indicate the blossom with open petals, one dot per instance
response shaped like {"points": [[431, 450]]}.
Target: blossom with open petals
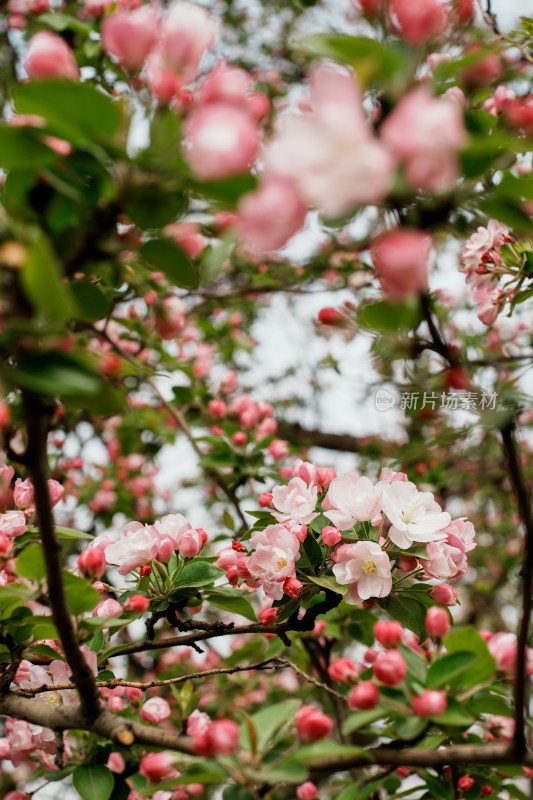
{"points": [[365, 568], [415, 516]]}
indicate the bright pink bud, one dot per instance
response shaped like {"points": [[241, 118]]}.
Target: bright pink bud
{"points": [[307, 791], [156, 767], [401, 261], [49, 56], [12, 523], [390, 668], [137, 604], [156, 709], [190, 544], [107, 609], [312, 724], [330, 316], [292, 587], [239, 438], [430, 703], [324, 476], [407, 563], [278, 448], [268, 616], [465, 783], [56, 491], [437, 622], [6, 547], [133, 695], [444, 595], [420, 20], [91, 563], [116, 763], [217, 408], [128, 36], [221, 737], [331, 536], [232, 575], [320, 627], [342, 670], [23, 493], [388, 634], [187, 33], [265, 500], [364, 696], [145, 570]]}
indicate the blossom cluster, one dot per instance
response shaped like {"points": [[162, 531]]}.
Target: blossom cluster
{"points": [[483, 266], [377, 531]]}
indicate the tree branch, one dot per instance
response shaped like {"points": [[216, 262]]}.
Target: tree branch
{"points": [[37, 417], [521, 693]]}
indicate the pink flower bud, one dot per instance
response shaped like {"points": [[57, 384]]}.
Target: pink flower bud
{"points": [[223, 140], [239, 438], [187, 33], [157, 767], [221, 737], [137, 604], [232, 575], [156, 709], [268, 616], [165, 551], [197, 723], [133, 695], [320, 627], [444, 594], [324, 476], [312, 724], [128, 36], [56, 491], [13, 523], [6, 547], [390, 668], [437, 622], [307, 791], [91, 563], [388, 634], [190, 544], [292, 587], [170, 317], [420, 20], [265, 500], [16, 795], [407, 563], [23, 493], [401, 260], [278, 448], [364, 696], [49, 56], [270, 215], [331, 536], [116, 763], [107, 609], [342, 670], [217, 408], [430, 703]]}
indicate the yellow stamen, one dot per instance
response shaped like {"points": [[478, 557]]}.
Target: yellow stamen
{"points": [[281, 562], [369, 567]]}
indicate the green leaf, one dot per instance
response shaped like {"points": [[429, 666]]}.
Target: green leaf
{"points": [[409, 611], [329, 582], [408, 728], [268, 721], [468, 640], [388, 317], [485, 702], [237, 605], [75, 110], [326, 748], [97, 642], [81, 597], [91, 301], [21, 148], [42, 281], [508, 211], [155, 205], [93, 782], [71, 533], [197, 573], [363, 718], [56, 375], [165, 256], [30, 563], [446, 669], [368, 57]]}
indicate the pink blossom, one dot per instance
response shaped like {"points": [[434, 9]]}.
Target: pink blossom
{"points": [[221, 737], [198, 722], [156, 767], [312, 724], [227, 84], [331, 536], [503, 648], [222, 140], [136, 604], [364, 696], [156, 709], [295, 502], [461, 534], [390, 668], [187, 32], [415, 516], [419, 20], [273, 559], [444, 595], [437, 622], [430, 703], [170, 317], [136, 547], [20, 741], [128, 36], [278, 448], [351, 498], [342, 670], [390, 476], [401, 260], [49, 56], [330, 153], [365, 568], [13, 523], [23, 493], [272, 214], [425, 134], [107, 609], [190, 544], [116, 763], [445, 561], [307, 791], [91, 563], [56, 491], [172, 526], [389, 634]]}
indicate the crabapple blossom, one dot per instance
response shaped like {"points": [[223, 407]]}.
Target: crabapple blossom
{"points": [[222, 737], [419, 20], [307, 791], [365, 568], [437, 622], [342, 670], [198, 722], [128, 36], [273, 559], [138, 545], [136, 604], [364, 696], [415, 516], [108, 608], [13, 523], [92, 563], [157, 767], [430, 703], [295, 502], [270, 215], [401, 260], [187, 33], [222, 140], [23, 493], [444, 594], [390, 668], [351, 498], [331, 536], [49, 56], [312, 724], [389, 634], [156, 709]]}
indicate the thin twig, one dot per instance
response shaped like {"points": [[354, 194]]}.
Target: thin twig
{"points": [[521, 688]]}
